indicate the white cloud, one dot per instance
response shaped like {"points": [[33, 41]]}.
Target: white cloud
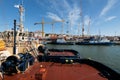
{"points": [[109, 5], [74, 15], [63, 9], [87, 20], [54, 16], [66, 5], [16, 6], [110, 18], [66, 11]]}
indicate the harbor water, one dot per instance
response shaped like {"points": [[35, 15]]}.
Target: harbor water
{"points": [[108, 55]]}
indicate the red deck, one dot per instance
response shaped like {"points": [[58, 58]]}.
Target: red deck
{"points": [[66, 53], [57, 71], [61, 54]]}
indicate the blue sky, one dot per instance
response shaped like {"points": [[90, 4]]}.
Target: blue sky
{"points": [[103, 15]]}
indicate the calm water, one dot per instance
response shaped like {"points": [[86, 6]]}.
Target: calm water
{"points": [[108, 55]]}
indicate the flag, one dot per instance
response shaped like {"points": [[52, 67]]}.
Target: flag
{"points": [[16, 6]]}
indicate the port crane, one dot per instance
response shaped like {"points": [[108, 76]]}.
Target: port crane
{"points": [[52, 23]]}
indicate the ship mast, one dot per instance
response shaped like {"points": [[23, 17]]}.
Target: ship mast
{"points": [[81, 14], [21, 12], [89, 27]]}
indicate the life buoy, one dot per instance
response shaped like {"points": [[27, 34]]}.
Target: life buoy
{"points": [[2, 45]]}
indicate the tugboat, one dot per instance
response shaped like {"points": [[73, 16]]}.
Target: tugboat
{"points": [[92, 41], [57, 64], [53, 64], [61, 41]]}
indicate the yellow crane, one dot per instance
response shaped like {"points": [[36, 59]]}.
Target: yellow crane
{"points": [[42, 25], [43, 22]]}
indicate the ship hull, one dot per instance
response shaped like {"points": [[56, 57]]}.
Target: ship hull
{"points": [[85, 70], [62, 64], [97, 43]]}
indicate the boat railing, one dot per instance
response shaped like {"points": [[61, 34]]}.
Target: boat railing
{"points": [[59, 59], [20, 43]]}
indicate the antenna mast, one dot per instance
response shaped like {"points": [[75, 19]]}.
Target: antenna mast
{"points": [[21, 12]]}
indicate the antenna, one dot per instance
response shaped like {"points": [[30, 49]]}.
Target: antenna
{"points": [[21, 12], [22, 3]]}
